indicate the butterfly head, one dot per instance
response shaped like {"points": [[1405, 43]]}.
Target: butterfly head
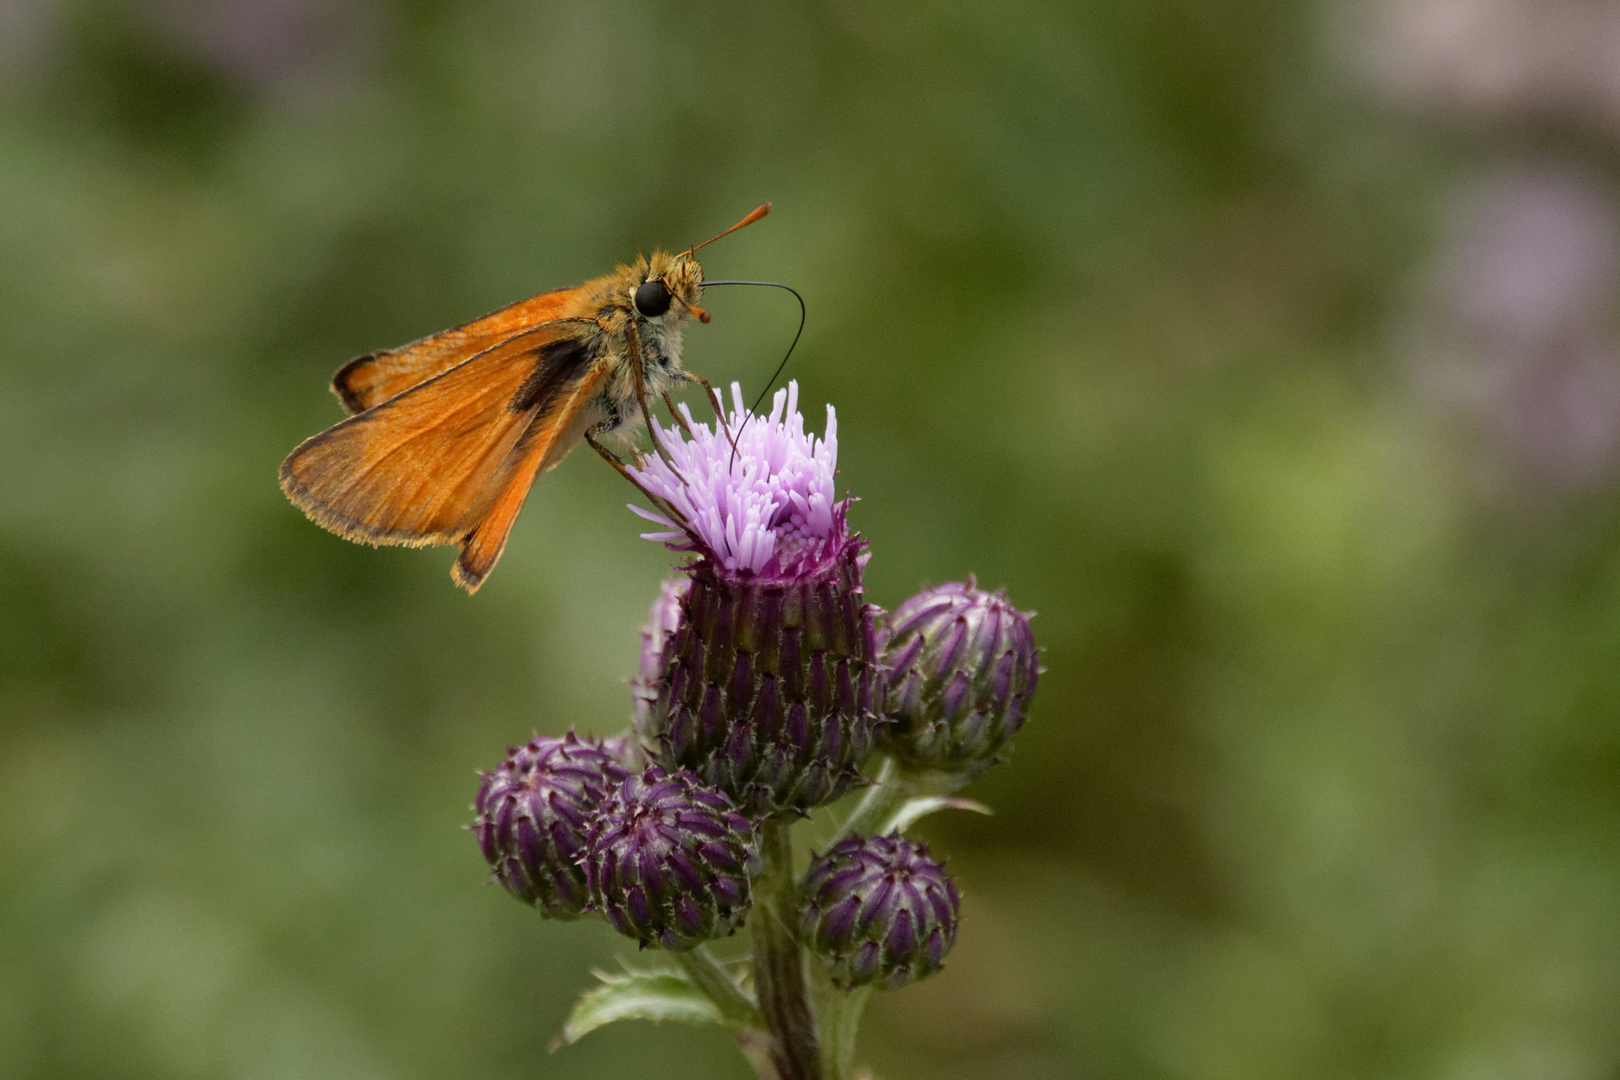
{"points": [[670, 286], [673, 282]]}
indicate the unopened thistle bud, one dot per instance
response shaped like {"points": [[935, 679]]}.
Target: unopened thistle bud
{"points": [[880, 911], [767, 684], [669, 860], [962, 667], [534, 818]]}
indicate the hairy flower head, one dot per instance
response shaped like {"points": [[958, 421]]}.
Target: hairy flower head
{"points": [[761, 674], [755, 495]]}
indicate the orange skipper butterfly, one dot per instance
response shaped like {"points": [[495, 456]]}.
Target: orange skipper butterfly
{"points": [[449, 433]]}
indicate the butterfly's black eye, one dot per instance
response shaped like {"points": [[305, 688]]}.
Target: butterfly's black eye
{"points": [[652, 298]]}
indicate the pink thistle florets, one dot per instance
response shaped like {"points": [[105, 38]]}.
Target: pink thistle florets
{"points": [[755, 496]]}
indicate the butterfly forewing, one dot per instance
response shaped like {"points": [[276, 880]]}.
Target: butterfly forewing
{"points": [[429, 465], [376, 377]]}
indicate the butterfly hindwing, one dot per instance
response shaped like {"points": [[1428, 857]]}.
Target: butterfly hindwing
{"points": [[548, 440]]}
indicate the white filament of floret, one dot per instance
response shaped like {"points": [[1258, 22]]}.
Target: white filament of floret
{"points": [[772, 494]]}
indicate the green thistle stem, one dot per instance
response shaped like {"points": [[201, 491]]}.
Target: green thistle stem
{"points": [[889, 791], [778, 960], [710, 975], [736, 1006], [840, 1014]]}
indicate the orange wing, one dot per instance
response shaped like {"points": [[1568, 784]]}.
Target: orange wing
{"points": [[549, 439], [450, 460], [374, 378]]}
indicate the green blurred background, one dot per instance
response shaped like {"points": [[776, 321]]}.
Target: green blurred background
{"points": [[1264, 348]]}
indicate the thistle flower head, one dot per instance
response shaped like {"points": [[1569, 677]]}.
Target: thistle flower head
{"points": [[756, 496], [669, 860], [879, 910], [962, 668], [766, 683], [534, 816]]}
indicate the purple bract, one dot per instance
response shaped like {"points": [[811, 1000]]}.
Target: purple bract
{"points": [[880, 911], [662, 620], [962, 668], [534, 816], [669, 860]]}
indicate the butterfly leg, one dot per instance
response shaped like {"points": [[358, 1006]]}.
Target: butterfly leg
{"points": [[613, 459], [709, 391], [676, 416], [637, 359], [607, 455], [717, 405]]}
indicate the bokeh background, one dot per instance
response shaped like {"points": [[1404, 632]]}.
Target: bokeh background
{"points": [[1266, 348]]}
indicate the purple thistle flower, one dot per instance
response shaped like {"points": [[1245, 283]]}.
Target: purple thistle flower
{"points": [[962, 668], [669, 860], [534, 818], [880, 911], [764, 508], [766, 684]]}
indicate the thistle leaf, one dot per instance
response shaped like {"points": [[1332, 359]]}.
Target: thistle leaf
{"points": [[637, 995], [915, 809]]}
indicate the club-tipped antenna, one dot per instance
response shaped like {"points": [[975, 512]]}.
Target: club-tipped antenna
{"points": [[757, 213], [796, 335]]}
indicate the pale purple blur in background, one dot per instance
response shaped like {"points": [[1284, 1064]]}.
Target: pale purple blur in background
{"points": [[1517, 316]]}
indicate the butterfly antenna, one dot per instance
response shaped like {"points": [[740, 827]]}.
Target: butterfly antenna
{"points": [[757, 213], [803, 313]]}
